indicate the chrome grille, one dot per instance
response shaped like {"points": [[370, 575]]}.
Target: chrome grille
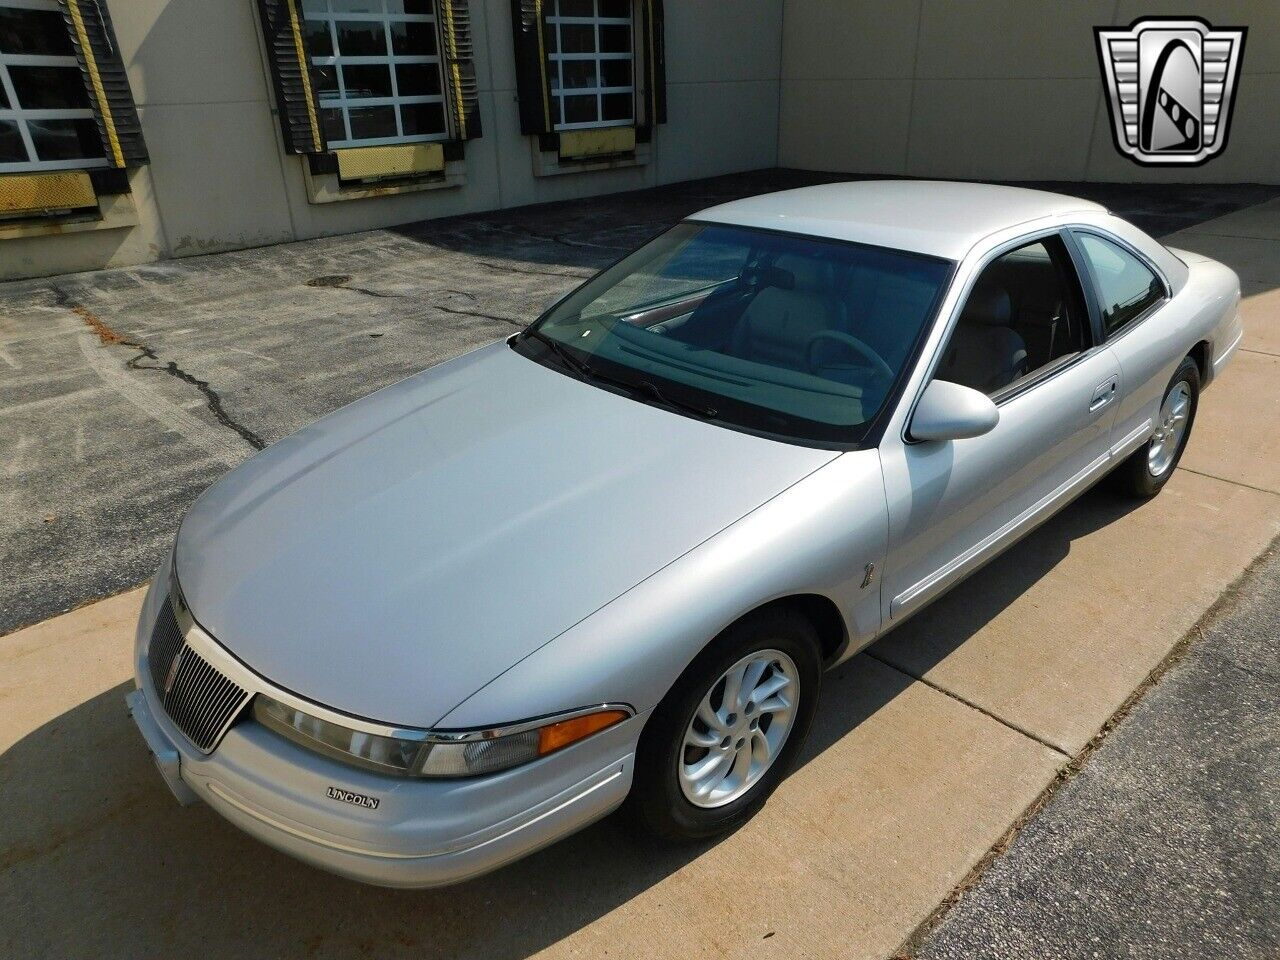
{"points": [[200, 700], [166, 641]]}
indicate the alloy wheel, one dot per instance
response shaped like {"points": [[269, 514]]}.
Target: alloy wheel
{"points": [[1167, 439], [739, 728]]}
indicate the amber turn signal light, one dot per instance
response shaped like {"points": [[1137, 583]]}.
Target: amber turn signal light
{"points": [[557, 735]]}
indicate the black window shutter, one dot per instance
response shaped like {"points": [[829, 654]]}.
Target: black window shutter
{"points": [[99, 56], [655, 61], [529, 29], [460, 68], [290, 73]]}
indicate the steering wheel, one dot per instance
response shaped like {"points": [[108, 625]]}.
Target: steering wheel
{"points": [[874, 360]]}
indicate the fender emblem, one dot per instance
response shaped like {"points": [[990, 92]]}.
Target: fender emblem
{"points": [[869, 574], [359, 799]]}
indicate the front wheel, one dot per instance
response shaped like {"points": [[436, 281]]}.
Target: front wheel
{"points": [[730, 729], [1148, 469]]}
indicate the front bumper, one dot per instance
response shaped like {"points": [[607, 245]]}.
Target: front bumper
{"points": [[422, 833]]}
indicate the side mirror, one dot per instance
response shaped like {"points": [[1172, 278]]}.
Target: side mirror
{"points": [[948, 411]]}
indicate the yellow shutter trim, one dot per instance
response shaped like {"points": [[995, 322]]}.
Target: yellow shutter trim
{"points": [[304, 66], [597, 143], [361, 163], [91, 64], [455, 75], [31, 193], [542, 65]]}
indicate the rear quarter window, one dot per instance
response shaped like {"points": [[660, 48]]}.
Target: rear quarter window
{"points": [[1126, 286]]}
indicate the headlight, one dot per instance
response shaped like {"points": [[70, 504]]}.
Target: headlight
{"points": [[431, 754]]}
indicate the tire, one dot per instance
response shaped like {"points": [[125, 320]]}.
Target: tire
{"points": [[787, 644], [1145, 472]]}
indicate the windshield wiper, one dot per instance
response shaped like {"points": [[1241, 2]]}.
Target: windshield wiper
{"points": [[706, 413], [562, 353], [587, 372]]}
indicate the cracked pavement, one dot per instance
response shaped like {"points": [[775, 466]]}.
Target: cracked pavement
{"points": [[124, 393]]}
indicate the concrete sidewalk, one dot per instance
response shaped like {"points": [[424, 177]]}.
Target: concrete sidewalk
{"points": [[927, 748], [1167, 845]]}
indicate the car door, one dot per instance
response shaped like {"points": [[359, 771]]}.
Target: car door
{"points": [[1138, 322], [1023, 333]]}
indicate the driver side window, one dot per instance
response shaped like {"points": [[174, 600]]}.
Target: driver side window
{"points": [[1024, 315]]}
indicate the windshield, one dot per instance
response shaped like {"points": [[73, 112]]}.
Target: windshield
{"points": [[771, 332]]}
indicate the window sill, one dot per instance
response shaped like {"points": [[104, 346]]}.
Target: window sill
{"points": [[327, 188], [551, 164], [115, 212]]}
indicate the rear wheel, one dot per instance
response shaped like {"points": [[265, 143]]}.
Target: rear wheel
{"points": [[1148, 469], [730, 729]]}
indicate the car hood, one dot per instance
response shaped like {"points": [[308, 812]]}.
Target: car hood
{"points": [[398, 554]]}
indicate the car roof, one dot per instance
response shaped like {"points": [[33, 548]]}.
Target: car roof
{"points": [[933, 217]]}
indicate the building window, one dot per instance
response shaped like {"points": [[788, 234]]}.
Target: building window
{"points": [[592, 74], [376, 65], [46, 120]]}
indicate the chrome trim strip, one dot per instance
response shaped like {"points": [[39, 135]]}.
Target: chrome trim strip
{"points": [[935, 582], [1132, 440], [239, 673], [439, 735]]}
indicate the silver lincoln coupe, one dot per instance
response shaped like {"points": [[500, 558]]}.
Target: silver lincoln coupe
{"points": [[606, 562]]}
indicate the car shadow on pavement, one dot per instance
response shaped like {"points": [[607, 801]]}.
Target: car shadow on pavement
{"points": [[98, 860], [921, 642]]}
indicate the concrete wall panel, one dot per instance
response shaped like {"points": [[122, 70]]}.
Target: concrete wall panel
{"points": [[498, 43], [723, 40], [991, 89], [515, 178], [216, 169], [718, 128], [190, 51], [997, 89], [1002, 129], [1010, 38], [72, 252], [822, 40], [856, 125]]}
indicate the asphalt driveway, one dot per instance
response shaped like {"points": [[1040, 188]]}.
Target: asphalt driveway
{"points": [[1167, 844], [124, 393]]}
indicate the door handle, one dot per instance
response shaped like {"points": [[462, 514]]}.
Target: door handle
{"points": [[1103, 394]]}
